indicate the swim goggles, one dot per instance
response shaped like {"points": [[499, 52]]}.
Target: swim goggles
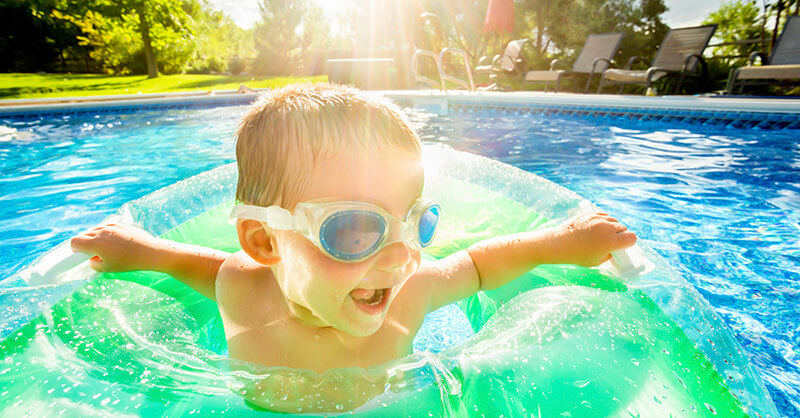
{"points": [[350, 231]]}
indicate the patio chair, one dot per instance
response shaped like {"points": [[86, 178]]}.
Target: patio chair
{"points": [[679, 55], [510, 63], [782, 67], [595, 57]]}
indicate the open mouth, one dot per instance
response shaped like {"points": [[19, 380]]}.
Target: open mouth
{"points": [[370, 300]]}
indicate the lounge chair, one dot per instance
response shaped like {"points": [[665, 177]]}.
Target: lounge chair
{"points": [[679, 55], [594, 58], [510, 63], [782, 67]]}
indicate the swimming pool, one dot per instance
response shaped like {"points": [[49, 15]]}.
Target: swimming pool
{"points": [[721, 204]]}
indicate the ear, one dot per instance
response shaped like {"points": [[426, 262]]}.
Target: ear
{"points": [[257, 241]]}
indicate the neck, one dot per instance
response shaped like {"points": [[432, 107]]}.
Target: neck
{"points": [[305, 317]]}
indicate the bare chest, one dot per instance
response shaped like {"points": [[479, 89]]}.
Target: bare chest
{"points": [[284, 343], [279, 340]]}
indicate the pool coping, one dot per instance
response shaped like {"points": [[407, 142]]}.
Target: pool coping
{"points": [[26, 108], [760, 104], [760, 113]]}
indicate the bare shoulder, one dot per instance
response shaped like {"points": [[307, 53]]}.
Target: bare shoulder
{"points": [[242, 288]]}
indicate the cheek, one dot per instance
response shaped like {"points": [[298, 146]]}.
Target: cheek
{"points": [[413, 265], [307, 268]]}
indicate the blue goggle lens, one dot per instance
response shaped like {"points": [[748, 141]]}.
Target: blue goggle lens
{"points": [[427, 225], [348, 235], [355, 234]]}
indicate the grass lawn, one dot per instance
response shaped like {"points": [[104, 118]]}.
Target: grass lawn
{"points": [[28, 86]]}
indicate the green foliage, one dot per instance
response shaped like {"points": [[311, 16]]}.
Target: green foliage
{"points": [[456, 23], [112, 44], [738, 20], [116, 31], [32, 40], [559, 28], [742, 20], [285, 33], [220, 44], [556, 28], [185, 35]]}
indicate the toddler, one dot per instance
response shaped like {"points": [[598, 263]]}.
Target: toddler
{"points": [[331, 220]]}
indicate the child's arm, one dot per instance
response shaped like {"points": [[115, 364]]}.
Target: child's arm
{"points": [[117, 248], [586, 240]]}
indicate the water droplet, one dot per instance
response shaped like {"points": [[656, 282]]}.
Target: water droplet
{"points": [[581, 383]]}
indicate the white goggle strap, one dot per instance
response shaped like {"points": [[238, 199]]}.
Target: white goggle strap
{"points": [[275, 217]]}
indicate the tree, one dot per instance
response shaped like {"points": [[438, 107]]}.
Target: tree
{"points": [[738, 21], [32, 40], [112, 27], [284, 34], [560, 27], [776, 9], [456, 23], [220, 45], [556, 28]]}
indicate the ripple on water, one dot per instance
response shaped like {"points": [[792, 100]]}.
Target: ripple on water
{"points": [[722, 205]]}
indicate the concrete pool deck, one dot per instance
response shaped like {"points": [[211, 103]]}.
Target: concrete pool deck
{"points": [[742, 111]]}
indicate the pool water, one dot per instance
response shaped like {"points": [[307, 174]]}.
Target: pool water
{"points": [[721, 205]]}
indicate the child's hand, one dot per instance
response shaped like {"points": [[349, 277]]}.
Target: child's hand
{"points": [[589, 238], [118, 248]]}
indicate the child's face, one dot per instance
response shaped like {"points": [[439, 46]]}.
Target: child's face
{"points": [[347, 296]]}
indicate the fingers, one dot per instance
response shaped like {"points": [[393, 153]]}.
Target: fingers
{"points": [[96, 263], [80, 243], [618, 227], [626, 238]]}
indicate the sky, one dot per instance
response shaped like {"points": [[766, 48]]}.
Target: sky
{"points": [[689, 12], [682, 12]]}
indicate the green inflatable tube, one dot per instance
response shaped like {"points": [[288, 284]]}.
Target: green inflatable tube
{"points": [[559, 341]]}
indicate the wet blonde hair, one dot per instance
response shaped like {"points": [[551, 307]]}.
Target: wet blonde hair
{"points": [[287, 130]]}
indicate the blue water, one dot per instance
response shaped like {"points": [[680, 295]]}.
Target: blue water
{"points": [[721, 205], [62, 175]]}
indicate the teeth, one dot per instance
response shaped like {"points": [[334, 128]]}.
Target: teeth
{"points": [[363, 293], [368, 296]]}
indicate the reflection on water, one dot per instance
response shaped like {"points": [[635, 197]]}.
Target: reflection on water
{"points": [[78, 169], [722, 205]]}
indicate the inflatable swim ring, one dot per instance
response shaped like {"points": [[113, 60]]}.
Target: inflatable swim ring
{"points": [[559, 341]]}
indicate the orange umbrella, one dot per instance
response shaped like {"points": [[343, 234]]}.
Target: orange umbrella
{"points": [[499, 16]]}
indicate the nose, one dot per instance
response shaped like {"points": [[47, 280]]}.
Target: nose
{"points": [[394, 256]]}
